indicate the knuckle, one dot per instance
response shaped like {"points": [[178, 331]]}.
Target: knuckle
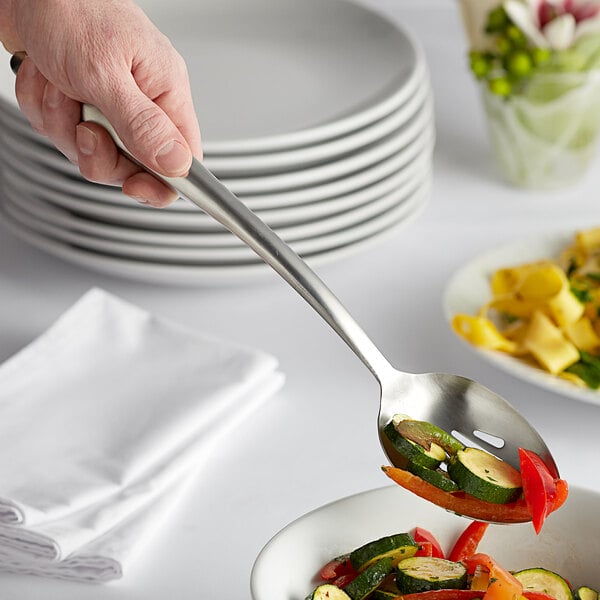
{"points": [[148, 126]]}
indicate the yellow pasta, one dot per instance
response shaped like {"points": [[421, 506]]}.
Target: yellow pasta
{"points": [[548, 345], [546, 312]]}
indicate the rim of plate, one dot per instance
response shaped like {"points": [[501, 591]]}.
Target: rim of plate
{"points": [[195, 276], [354, 225], [239, 166], [61, 217], [69, 180], [398, 141], [128, 212]]}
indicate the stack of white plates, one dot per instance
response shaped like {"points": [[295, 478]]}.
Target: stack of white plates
{"points": [[317, 114]]}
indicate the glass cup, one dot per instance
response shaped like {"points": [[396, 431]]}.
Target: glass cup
{"points": [[545, 137]]}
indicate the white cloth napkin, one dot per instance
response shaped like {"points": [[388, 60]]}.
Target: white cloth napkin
{"points": [[102, 419]]}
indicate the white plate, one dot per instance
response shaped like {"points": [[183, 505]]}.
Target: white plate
{"points": [[194, 275], [84, 199], [269, 74], [50, 168], [349, 228], [400, 140], [245, 165], [469, 289], [260, 86], [569, 543], [347, 214]]}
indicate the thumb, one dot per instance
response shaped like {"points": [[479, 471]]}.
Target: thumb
{"points": [[148, 132]]}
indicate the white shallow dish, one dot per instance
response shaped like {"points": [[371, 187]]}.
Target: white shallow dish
{"points": [[366, 222], [569, 543], [49, 168], [87, 200], [280, 91], [19, 135], [399, 141], [195, 275], [468, 290], [392, 192]]}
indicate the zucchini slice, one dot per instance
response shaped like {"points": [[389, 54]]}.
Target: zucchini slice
{"points": [[585, 593], [369, 580], [383, 595], [484, 476], [425, 434], [548, 582], [397, 547], [414, 452], [424, 573], [328, 591], [436, 477]]}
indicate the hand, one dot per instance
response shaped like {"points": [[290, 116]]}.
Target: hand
{"points": [[107, 53]]}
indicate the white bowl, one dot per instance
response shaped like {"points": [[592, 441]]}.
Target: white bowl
{"points": [[569, 543]]}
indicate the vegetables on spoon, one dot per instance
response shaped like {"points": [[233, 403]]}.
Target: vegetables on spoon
{"points": [[471, 481]]}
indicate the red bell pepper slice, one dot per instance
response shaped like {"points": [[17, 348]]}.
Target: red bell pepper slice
{"points": [[460, 502], [467, 542], [543, 494], [336, 568], [425, 549], [422, 536], [345, 579], [530, 595]]}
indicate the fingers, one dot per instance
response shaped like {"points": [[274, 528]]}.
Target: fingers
{"points": [[29, 88], [147, 131], [60, 116], [153, 113], [99, 160], [53, 114]]}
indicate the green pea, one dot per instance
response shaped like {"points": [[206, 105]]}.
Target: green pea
{"points": [[497, 20], [500, 86], [519, 63], [515, 35], [540, 55], [503, 45], [480, 64]]}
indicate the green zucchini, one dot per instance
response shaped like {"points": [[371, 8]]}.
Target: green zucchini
{"points": [[328, 591], [585, 593], [436, 477], [369, 580], [548, 582], [484, 476], [425, 573], [431, 458], [425, 434], [396, 547], [383, 595]]}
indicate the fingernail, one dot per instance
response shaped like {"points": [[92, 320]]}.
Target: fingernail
{"points": [[139, 199], [53, 97], [86, 140], [173, 158]]}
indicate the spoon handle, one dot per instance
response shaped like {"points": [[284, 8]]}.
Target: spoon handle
{"points": [[203, 189]]}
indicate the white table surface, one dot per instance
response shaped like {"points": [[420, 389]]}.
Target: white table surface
{"points": [[316, 441]]}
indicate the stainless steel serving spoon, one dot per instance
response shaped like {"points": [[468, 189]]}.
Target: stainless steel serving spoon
{"points": [[453, 403]]}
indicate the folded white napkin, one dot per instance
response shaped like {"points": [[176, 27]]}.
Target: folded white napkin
{"points": [[102, 419]]}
